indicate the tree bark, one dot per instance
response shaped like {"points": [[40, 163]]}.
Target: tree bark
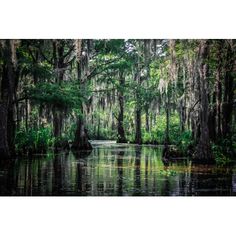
{"points": [[138, 133], [8, 83], [57, 124], [227, 108], [138, 112], [4, 148], [121, 132], [81, 140], [81, 137], [219, 90], [98, 128], [203, 149], [167, 138], [59, 68], [147, 119], [212, 119]]}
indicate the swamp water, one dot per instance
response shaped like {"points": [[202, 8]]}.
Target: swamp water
{"points": [[113, 170]]}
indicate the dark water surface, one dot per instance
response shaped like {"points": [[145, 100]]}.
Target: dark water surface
{"points": [[113, 170]]}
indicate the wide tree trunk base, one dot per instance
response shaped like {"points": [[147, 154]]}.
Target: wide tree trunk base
{"points": [[81, 153], [81, 146], [81, 142], [62, 145]]}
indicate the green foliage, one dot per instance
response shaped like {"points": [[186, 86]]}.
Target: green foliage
{"points": [[158, 133], [148, 137], [104, 133], [63, 96], [109, 46], [34, 140], [168, 173], [139, 70], [29, 66], [224, 150], [184, 140], [70, 132], [219, 155]]}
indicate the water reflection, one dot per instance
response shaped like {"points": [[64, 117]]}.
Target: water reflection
{"points": [[120, 157], [113, 170], [137, 178]]}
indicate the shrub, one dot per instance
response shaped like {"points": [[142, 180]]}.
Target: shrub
{"points": [[221, 158], [184, 140], [33, 140]]}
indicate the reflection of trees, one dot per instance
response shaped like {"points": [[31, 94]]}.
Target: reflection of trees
{"points": [[234, 183], [104, 174], [137, 172], [150, 156], [82, 154], [166, 187], [210, 181], [8, 183], [146, 173], [81, 175], [120, 157], [64, 171], [58, 168]]}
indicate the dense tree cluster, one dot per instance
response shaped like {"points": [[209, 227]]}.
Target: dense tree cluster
{"points": [[60, 92]]}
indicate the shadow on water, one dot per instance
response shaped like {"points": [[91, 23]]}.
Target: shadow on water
{"points": [[113, 170]]}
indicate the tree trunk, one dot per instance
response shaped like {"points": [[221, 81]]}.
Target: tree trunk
{"points": [[57, 124], [203, 149], [26, 115], [58, 57], [212, 118], [147, 120], [219, 109], [138, 134], [81, 137], [227, 108], [81, 141], [98, 128], [182, 113], [167, 138], [121, 132], [138, 112], [4, 148], [219, 91], [8, 83], [151, 121]]}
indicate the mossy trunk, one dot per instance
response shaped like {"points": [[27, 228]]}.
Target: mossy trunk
{"points": [[203, 149], [120, 126], [81, 141]]}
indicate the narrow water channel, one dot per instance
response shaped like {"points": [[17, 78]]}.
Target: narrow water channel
{"points": [[113, 170]]}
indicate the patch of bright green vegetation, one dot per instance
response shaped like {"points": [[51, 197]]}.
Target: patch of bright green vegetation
{"points": [[103, 134], [157, 134], [220, 156], [168, 172], [34, 140]]}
